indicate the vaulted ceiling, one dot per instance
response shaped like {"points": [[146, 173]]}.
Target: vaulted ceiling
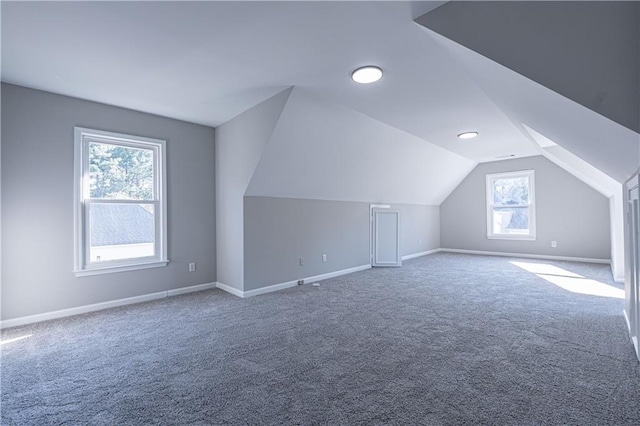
{"points": [[323, 150], [587, 51], [569, 71], [445, 72]]}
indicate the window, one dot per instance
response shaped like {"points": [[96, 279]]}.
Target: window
{"points": [[510, 206], [120, 202]]}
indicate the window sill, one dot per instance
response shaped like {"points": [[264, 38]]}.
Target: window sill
{"points": [[512, 237], [121, 268]]}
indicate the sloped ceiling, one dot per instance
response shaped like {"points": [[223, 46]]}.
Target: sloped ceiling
{"points": [[588, 51], [207, 62], [323, 150], [567, 69], [605, 144], [241, 142], [584, 171]]}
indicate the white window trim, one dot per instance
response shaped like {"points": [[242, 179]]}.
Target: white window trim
{"points": [[531, 236], [81, 191]]}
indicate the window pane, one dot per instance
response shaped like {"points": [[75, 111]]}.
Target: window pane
{"points": [[119, 172], [508, 191], [511, 220], [121, 231]]}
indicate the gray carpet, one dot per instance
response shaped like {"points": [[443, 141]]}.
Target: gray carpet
{"points": [[446, 340]]}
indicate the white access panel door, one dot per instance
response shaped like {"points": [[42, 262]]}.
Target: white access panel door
{"points": [[386, 238]]}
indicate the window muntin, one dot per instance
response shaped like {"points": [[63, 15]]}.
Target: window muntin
{"points": [[510, 205], [120, 202]]}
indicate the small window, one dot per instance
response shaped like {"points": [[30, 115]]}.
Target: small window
{"points": [[120, 194], [510, 206]]}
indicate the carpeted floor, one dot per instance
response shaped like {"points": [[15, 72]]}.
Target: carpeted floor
{"points": [[447, 339]]}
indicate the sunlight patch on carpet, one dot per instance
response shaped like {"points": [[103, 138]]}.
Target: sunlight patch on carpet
{"points": [[571, 281], [15, 339]]}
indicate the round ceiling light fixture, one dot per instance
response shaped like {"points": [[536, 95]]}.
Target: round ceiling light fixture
{"points": [[468, 135], [367, 74]]}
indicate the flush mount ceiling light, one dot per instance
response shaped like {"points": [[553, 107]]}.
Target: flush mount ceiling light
{"points": [[468, 135], [367, 74]]}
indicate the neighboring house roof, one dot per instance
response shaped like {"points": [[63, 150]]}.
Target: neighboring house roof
{"points": [[113, 224]]}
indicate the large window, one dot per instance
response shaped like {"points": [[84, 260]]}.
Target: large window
{"points": [[510, 205], [120, 195]]}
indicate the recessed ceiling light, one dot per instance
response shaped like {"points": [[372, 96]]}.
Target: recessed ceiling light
{"points": [[468, 135], [366, 75]]}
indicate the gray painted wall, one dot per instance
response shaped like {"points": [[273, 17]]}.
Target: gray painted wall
{"points": [[239, 146], [280, 231], [37, 205], [567, 211], [419, 228]]}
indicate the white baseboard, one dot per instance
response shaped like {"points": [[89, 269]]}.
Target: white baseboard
{"points": [[527, 256], [422, 253], [336, 273], [230, 289], [617, 278], [190, 289], [14, 322], [269, 289], [289, 284]]}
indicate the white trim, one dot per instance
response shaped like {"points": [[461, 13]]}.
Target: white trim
{"points": [[529, 256], [229, 289], [422, 253], [371, 230], [81, 309], [632, 183], [530, 175], [82, 138], [113, 269], [398, 259], [512, 237], [270, 289], [617, 278], [626, 318], [289, 284], [101, 306], [190, 289], [338, 273]]}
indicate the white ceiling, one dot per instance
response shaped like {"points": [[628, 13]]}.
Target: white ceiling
{"points": [[206, 62]]}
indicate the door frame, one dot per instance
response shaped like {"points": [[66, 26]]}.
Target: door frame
{"points": [[632, 269], [372, 234]]}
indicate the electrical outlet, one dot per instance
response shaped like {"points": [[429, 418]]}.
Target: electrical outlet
{"points": [[420, 242], [554, 244], [192, 267], [324, 257], [301, 262]]}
